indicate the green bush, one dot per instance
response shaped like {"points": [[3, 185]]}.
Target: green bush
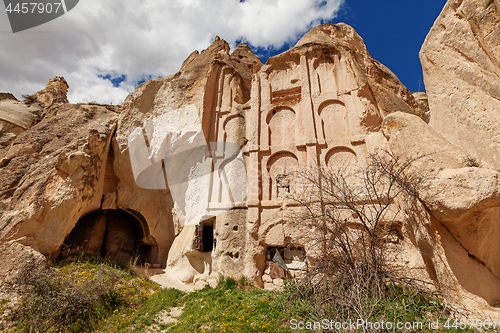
{"points": [[76, 297]]}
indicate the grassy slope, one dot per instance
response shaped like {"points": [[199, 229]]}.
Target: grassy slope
{"points": [[97, 296]]}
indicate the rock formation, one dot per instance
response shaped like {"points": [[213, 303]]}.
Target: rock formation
{"points": [[322, 101], [18, 263], [73, 180], [461, 210], [461, 63], [53, 171]]}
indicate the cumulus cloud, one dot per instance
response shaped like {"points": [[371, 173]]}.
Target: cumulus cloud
{"points": [[131, 40]]}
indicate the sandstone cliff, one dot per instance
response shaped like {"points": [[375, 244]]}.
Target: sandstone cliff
{"points": [[460, 60], [70, 179], [52, 171], [461, 63]]}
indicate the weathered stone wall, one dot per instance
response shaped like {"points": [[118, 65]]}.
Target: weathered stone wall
{"points": [[461, 64], [315, 104]]}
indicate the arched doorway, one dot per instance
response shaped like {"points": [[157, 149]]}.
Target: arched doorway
{"points": [[112, 234]]}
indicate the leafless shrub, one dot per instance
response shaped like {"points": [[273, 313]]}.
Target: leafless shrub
{"points": [[471, 162], [29, 99], [354, 219]]}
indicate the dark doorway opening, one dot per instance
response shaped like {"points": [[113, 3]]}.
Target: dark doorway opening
{"points": [[111, 234], [208, 238], [205, 240]]}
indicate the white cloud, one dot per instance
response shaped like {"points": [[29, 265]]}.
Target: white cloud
{"points": [[140, 39]]}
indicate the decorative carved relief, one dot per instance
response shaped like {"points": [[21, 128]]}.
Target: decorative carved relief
{"points": [[325, 69], [291, 96], [281, 169], [234, 129], [286, 86]]}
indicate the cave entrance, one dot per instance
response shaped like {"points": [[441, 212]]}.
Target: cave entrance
{"points": [[112, 234]]}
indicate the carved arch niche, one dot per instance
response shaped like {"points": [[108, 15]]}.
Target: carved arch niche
{"points": [[281, 124], [282, 168], [333, 120], [325, 71], [115, 234], [231, 190], [341, 158], [234, 129]]}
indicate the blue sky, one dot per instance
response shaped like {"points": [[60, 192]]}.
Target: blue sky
{"points": [[394, 32]]}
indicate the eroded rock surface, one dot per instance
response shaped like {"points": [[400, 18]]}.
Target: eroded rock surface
{"points": [[18, 263], [461, 65], [15, 118], [458, 238], [321, 101], [52, 172]]}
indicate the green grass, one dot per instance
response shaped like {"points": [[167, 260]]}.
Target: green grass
{"points": [[3, 305], [226, 308], [94, 295], [78, 296]]}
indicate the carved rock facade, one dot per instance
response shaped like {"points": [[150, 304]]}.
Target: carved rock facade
{"points": [[69, 185]]}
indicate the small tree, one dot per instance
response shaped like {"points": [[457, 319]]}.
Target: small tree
{"points": [[355, 218]]}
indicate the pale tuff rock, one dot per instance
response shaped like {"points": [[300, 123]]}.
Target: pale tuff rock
{"points": [[17, 114], [467, 202], [464, 203], [16, 117], [322, 100], [461, 65], [423, 103], [199, 85], [52, 172], [18, 263], [362, 70], [409, 137], [54, 93], [71, 183]]}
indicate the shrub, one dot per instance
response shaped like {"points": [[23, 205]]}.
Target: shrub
{"points": [[29, 99], [75, 297], [226, 283], [353, 218], [245, 283], [471, 162]]}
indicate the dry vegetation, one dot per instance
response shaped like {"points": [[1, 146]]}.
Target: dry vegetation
{"points": [[354, 220]]}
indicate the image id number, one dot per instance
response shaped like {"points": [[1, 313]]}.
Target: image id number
{"points": [[34, 7]]}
